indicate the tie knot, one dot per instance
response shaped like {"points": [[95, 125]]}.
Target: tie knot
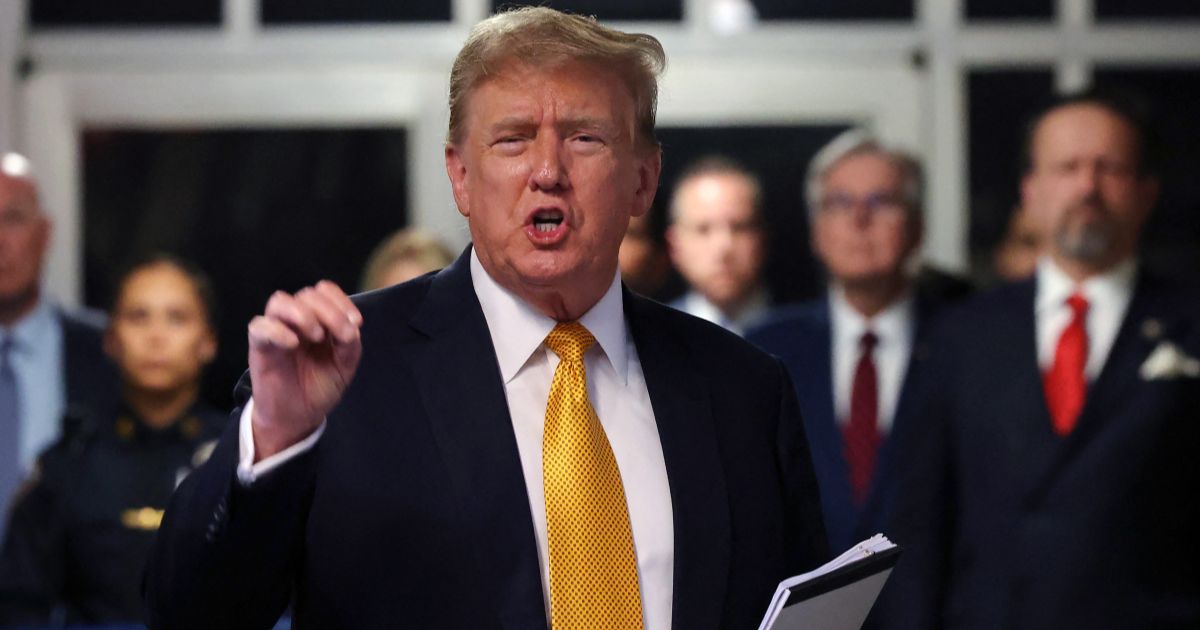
{"points": [[868, 341], [569, 340], [1078, 304]]}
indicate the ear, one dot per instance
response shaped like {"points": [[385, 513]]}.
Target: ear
{"points": [[671, 235], [649, 169], [456, 169], [208, 348]]}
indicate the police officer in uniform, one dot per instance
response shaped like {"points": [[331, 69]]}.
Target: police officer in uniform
{"points": [[81, 528]]}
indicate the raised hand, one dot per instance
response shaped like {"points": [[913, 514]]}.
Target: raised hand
{"points": [[304, 350]]}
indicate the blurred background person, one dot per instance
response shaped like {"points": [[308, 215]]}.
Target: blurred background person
{"points": [[1051, 475], [51, 362], [82, 526], [854, 354], [716, 242], [404, 255], [643, 259], [1017, 254]]}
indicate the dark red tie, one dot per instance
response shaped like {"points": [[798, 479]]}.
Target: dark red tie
{"points": [[862, 433], [1065, 382]]}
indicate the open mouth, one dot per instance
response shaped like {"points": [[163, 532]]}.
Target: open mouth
{"points": [[547, 220]]}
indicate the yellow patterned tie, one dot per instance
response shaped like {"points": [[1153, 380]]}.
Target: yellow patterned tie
{"points": [[593, 567]]}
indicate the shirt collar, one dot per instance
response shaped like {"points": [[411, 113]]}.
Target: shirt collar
{"points": [[893, 323], [755, 306], [1054, 286], [518, 329], [36, 326]]}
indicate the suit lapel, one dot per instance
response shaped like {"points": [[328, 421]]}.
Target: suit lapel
{"points": [[1116, 378], [461, 387], [1025, 426], [680, 399]]}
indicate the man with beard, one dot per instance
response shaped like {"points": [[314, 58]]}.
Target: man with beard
{"points": [[1051, 479]]}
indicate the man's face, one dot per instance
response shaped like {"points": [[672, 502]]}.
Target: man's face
{"points": [[716, 240], [158, 334], [863, 231], [24, 237], [548, 174], [1084, 187]]}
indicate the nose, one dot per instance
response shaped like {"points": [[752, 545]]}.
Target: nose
{"points": [[548, 172], [1088, 178]]}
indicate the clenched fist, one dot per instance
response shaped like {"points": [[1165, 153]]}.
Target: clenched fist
{"points": [[304, 350]]}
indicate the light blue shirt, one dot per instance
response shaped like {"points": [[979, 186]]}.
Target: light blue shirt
{"points": [[37, 360]]}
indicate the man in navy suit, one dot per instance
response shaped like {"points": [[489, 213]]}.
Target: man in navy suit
{"points": [[1053, 480], [55, 365], [391, 469], [855, 354]]}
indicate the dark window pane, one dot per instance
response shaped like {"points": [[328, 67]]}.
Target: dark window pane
{"points": [[1123, 9], [1010, 9], [999, 108], [83, 13], [259, 210], [834, 9], [779, 155], [1171, 240], [277, 12], [607, 9]]}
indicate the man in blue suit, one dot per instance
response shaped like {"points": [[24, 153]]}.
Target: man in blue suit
{"points": [[516, 441], [856, 354], [52, 366], [1054, 474]]}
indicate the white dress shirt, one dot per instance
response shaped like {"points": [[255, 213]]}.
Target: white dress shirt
{"points": [[894, 328], [617, 390], [37, 360], [1108, 297], [748, 315]]}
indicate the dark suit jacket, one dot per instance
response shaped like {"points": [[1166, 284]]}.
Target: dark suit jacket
{"points": [[800, 335], [411, 511], [90, 378], [1009, 526]]}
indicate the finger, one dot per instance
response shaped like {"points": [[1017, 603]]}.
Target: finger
{"points": [[268, 334], [290, 311], [328, 314], [341, 300]]}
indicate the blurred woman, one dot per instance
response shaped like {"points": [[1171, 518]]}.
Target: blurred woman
{"points": [[81, 528]]}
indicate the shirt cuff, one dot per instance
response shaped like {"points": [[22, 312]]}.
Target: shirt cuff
{"points": [[248, 471]]}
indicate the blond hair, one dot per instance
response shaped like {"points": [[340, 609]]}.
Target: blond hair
{"points": [[404, 246], [543, 37]]}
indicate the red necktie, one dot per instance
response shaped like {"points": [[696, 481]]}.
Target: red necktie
{"points": [[861, 433], [1065, 382]]}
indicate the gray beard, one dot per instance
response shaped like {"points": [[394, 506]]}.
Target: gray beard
{"points": [[1090, 242]]}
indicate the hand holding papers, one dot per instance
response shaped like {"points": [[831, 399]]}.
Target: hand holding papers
{"points": [[836, 596]]}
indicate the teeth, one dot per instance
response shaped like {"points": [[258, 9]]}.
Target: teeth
{"points": [[544, 227]]}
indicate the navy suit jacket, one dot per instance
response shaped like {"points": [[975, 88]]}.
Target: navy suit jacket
{"points": [[90, 378], [1008, 525], [411, 511], [800, 335]]}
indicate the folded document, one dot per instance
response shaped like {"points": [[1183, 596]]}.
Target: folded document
{"points": [[836, 596]]}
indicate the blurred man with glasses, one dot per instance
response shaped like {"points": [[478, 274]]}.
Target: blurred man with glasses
{"points": [[853, 354]]}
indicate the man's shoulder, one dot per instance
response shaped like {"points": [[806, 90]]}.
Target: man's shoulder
{"points": [[81, 323], [706, 343], [791, 325]]}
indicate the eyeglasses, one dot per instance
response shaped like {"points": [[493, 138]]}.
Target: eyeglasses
{"points": [[876, 204]]}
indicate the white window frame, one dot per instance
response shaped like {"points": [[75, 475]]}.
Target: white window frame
{"points": [[242, 74]]}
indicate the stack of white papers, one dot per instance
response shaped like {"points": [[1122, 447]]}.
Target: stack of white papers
{"points": [[838, 595]]}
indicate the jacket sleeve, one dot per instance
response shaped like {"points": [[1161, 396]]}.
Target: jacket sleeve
{"points": [[809, 546], [33, 557], [226, 554]]}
